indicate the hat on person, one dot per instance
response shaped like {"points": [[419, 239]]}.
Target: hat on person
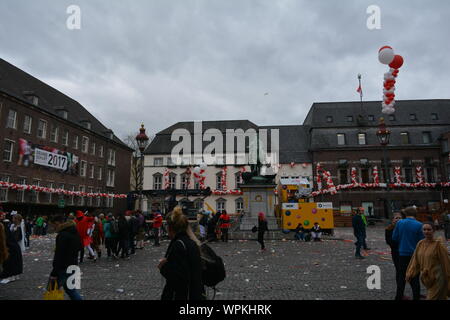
{"points": [[78, 214], [261, 214]]}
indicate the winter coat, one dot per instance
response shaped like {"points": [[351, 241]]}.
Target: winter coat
{"points": [[183, 270], [262, 226], [68, 246], [107, 230], [224, 221], [124, 229], [359, 228], [83, 225], [13, 266]]}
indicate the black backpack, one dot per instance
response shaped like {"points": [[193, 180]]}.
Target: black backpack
{"points": [[114, 227], [213, 267]]}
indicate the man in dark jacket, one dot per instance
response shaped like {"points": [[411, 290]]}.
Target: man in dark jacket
{"points": [[359, 230], [124, 237], [68, 245]]}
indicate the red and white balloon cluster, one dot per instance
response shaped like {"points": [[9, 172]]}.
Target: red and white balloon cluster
{"points": [[199, 174], [227, 192], [166, 175], [387, 56]]}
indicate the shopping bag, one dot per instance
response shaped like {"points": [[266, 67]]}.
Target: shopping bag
{"points": [[53, 292]]}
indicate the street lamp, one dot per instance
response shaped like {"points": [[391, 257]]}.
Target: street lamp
{"points": [[383, 135], [142, 141]]}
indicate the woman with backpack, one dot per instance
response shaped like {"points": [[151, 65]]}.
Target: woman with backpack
{"points": [[111, 230], [182, 265]]}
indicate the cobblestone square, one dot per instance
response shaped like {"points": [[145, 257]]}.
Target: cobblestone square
{"points": [[288, 270]]}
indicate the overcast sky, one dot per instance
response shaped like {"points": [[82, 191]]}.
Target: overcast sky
{"points": [[164, 61]]}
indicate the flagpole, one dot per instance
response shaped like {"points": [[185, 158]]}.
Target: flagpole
{"points": [[360, 94]]}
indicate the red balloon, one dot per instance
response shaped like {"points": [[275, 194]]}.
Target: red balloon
{"points": [[397, 62]]}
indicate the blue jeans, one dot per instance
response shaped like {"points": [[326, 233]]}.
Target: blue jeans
{"points": [[72, 293], [300, 236], [359, 243]]}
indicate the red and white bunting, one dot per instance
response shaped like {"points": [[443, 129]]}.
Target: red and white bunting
{"points": [[354, 175], [397, 174]]}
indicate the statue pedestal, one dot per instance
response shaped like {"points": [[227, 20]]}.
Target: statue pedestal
{"points": [[258, 198]]}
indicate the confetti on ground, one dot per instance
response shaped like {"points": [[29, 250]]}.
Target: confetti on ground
{"points": [[343, 287], [120, 290]]}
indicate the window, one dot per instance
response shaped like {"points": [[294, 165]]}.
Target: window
{"points": [[75, 142], [371, 117], [445, 146], [343, 173], [35, 194], [111, 157], [364, 162], [93, 148], [341, 139], [408, 175], [110, 178], [329, 119], [434, 116], [237, 179], [431, 178], [365, 176], [349, 118], [391, 117], [21, 193], [343, 162], [99, 199], [48, 196], [81, 199], [361, 138], [184, 181], [158, 162], [83, 168], [27, 124], [12, 119], [100, 152], [42, 129], [54, 134], [172, 181], [84, 144], [63, 114], [8, 150], [100, 173], [412, 117], [170, 162], [92, 171], [65, 138], [219, 181], [426, 137], [220, 205], [89, 202], [72, 198], [404, 137], [4, 190], [157, 181], [239, 205]]}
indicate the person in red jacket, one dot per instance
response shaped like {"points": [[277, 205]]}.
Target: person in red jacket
{"points": [[97, 237], [224, 225], [157, 224], [84, 228]]}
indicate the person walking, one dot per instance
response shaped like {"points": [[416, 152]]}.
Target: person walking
{"points": [[124, 237], [39, 226], [224, 221], [134, 229], [212, 225], [431, 260], [84, 224], [182, 265], [13, 266], [262, 228], [203, 224], [68, 245], [140, 237], [157, 224], [97, 237], [397, 216], [28, 231], [111, 230], [359, 233], [407, 233]]}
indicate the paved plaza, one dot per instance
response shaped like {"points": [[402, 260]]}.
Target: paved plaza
{"points": [[289, 270]]}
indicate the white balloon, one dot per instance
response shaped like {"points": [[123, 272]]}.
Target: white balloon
{"points": [[386, 56], [196, 170], [203, 166]]}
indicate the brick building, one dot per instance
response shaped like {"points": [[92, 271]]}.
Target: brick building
{"points": [[50, 140], [343, 135]]}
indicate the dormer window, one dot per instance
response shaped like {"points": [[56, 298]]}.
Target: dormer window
{"points": [[329, 119], [63, 114], [31, 97], [109, 133], [86, 124]]}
